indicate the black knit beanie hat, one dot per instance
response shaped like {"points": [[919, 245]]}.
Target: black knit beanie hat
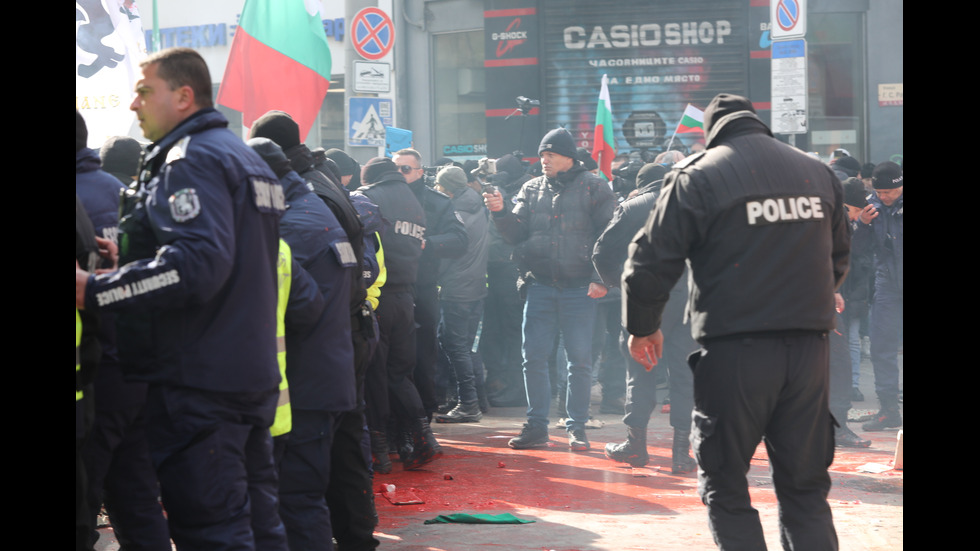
{"points": [[854, 193], [278, 126], [380, 169], [558, 141], [887, 175]]}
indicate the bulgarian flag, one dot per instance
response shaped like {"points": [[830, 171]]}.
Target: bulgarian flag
{"points": [[604, 144], [691, 121], [279, 60]]}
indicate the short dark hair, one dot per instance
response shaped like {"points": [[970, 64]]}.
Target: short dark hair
{"points": [[183, 67]]}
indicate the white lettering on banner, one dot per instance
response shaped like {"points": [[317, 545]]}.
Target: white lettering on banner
{"points": [[682, 78], [783, 209], [645, 61], [648, 34], [138, 287]]}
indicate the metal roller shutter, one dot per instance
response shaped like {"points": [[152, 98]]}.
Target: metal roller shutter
{"points": [[659, 56]]}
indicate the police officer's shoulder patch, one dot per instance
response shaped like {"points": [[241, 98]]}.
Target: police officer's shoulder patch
{"points": [[345, 253], [268, 195], [178, 150], [185, 205]]}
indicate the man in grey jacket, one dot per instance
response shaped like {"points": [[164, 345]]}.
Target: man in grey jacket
{"points": [[463, 286]]}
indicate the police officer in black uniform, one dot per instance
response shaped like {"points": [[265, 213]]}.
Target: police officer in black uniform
{"points": [[445, 237], [764, 229], [390, 369]]}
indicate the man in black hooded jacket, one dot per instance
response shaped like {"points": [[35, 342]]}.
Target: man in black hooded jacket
{"points": [[641, 385], [764, 230]]}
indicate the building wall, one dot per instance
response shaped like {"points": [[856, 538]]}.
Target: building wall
{"points": [[885, 62]]}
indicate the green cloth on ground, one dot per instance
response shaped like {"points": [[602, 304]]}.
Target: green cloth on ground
{"points": [[477, 518]]}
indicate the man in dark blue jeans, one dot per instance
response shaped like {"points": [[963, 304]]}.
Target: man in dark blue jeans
{"points": [[463, 286], [554, 224]]}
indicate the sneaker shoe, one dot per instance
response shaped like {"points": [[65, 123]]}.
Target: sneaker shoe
{"points": [[529, 437], [577, 442], [462, 414], [883, 420], [856, 395], [845, 437]]}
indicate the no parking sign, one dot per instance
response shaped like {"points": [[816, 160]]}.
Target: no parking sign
{"points": [[787, 18], [372, 33]]}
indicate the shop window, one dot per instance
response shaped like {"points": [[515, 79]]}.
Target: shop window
{"points": [[458, 90], [835, 75]]}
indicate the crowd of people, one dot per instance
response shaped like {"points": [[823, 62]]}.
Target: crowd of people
{"points": [[262, 329]]}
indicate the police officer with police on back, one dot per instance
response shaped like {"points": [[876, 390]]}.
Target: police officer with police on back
{"points": [[764, 230]]}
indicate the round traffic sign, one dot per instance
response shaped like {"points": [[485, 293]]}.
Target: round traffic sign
{"points": [[373, 33], [787, 14]]}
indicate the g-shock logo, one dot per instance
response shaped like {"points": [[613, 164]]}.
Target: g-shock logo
{"points": [[510, 38], [783, 209]]}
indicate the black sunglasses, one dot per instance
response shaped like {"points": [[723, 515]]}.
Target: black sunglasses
{"points": [[406, 169]]}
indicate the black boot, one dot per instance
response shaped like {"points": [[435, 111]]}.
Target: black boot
{"points": [[447, 407], [404, 440], [462, 413], [633, 450], [425, 448], [394, 438], [681, 460], [379, 452]]}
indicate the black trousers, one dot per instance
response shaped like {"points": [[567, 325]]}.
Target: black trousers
{"points": [[776, 389], [121, 475], [641, 385], [350, 497], [389, 388], [427, 346], [500, 341], [840, 373]]}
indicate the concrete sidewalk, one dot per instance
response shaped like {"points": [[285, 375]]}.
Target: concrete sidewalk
{"points": [[584, 501]]}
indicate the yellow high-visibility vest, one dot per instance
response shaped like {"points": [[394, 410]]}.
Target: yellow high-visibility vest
{"points": [[374, 291], [78, 361], [284, 415]]}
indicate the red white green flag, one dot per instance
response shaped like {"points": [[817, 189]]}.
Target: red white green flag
{"points": [[691, 121], [279, 60], [604, 142]]}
